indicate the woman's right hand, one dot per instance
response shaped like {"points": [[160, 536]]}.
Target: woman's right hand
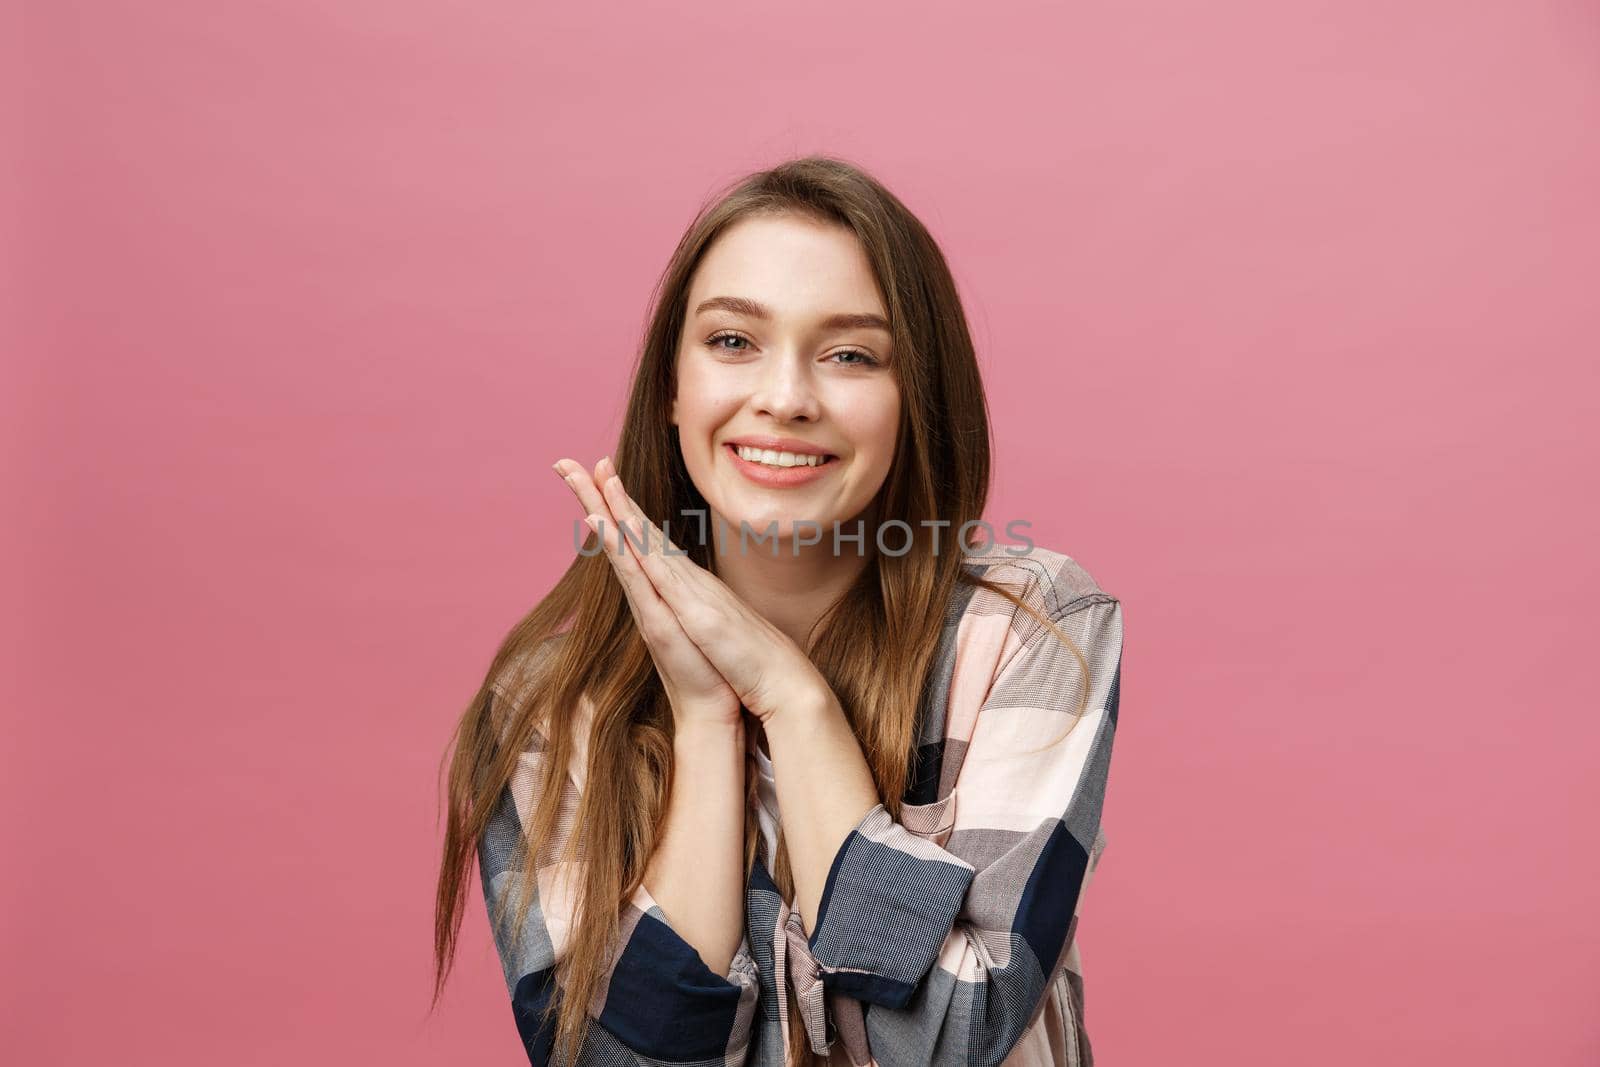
{"points": [[699, 695]]}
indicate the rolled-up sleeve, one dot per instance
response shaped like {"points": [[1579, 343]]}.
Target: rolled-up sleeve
{"points": [[661, 1003], [953, 945], [887, 907]]}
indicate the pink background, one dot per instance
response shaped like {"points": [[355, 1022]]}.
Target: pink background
{"points": [[312, 294]]}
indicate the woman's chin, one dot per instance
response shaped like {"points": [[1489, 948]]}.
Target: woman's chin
{"points": [[761, 529]]}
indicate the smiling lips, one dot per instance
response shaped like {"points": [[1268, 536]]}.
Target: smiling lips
{"points": [[779, 477]]}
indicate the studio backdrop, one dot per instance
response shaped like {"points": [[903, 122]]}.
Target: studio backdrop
{"points": [[1287, 317]]}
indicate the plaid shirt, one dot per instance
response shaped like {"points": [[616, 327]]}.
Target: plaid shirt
{"points": [[946, 937]]}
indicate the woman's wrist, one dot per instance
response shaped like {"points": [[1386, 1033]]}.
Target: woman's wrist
{"points": [[699, 736], [803, 712]]}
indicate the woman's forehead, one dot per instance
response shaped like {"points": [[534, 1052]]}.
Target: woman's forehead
{"points": [[785, 269]]}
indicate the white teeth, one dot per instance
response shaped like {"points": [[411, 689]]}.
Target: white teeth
{"points": [[777, 459]]}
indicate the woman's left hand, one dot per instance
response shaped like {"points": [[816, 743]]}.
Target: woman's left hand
{"points": [[760, 662]]}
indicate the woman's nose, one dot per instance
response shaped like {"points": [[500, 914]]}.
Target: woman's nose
{"points": [[786, 390]]}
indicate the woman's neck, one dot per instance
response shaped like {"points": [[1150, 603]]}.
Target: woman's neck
{"points": [[789, 591]]}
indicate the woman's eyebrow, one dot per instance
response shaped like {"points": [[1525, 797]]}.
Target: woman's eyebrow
{"points": [[844, 320]]}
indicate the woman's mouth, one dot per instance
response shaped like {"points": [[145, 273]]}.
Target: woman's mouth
{"points": [[767, 468]]}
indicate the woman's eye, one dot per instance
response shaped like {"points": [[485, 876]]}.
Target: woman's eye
{"points": [[849, 357], [865, 360], [716, 341]]}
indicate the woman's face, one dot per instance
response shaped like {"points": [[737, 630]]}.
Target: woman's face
{"points": [[786, 343]]}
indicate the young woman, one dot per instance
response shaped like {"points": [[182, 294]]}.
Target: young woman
{"points": [[788, 603]]}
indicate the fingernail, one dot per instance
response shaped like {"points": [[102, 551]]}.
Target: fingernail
{"points": [[593, 521]]}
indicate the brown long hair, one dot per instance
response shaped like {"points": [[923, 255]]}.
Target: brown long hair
{"points": [[874, 646]]}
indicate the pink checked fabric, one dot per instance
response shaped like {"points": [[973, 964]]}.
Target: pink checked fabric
{"points": [[946, 936]]}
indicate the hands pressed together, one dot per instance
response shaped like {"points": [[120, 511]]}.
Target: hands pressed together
{"points": [[714, 653], [712, 650]]}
